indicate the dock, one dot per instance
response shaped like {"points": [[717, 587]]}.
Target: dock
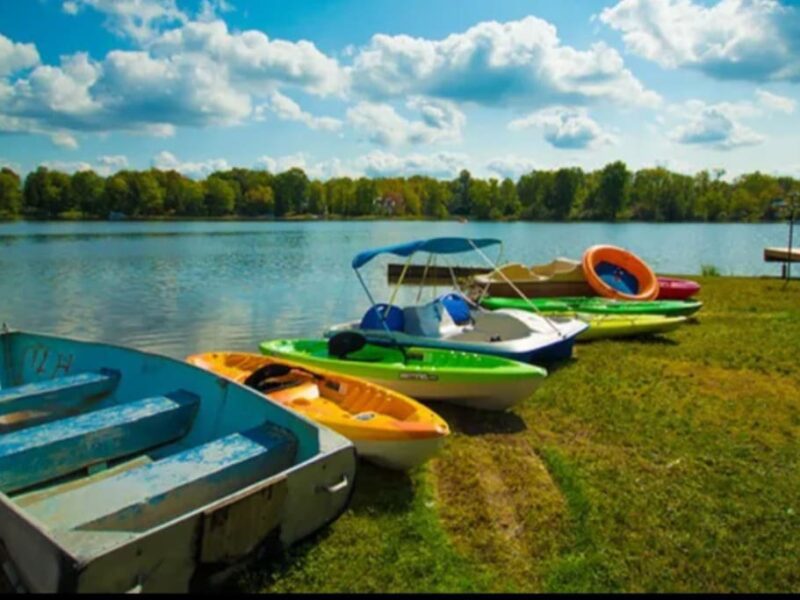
{"points": [[783, 255]]}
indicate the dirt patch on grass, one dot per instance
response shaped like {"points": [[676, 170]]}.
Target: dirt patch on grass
{"points": [[500, 506]]}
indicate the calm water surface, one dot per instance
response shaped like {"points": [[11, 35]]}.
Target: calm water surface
{"points": [[179, 288]]}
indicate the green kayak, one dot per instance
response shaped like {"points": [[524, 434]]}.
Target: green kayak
{"points": [[597, 305], [466, 378]]}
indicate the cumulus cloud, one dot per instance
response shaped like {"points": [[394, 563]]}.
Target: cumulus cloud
{"points": [[15, 56], [385, 164], [283, 163], [64, 140], [136, 19], [511, 166], [111, 164], [494, 64], [167, 161], [440, 121], [775, 102], [252, 60], [732, 39], [716, 126], [564, 127], [67, 166], [210, 9], [288, 110], [324, 169], [104, 165], [197, 75]]}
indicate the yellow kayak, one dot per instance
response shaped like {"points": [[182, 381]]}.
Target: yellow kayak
{"points": [[387, 428], [603, 326]]}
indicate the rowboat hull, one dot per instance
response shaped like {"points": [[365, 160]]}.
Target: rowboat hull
{"points": [[130, 471]]}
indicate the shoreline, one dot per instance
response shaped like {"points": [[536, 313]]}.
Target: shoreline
{"points": [[367, 218]]}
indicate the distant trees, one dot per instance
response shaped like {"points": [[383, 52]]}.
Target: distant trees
{"points": [[10, 194], [611, 193]]}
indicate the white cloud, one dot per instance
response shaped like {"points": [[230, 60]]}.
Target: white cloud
{"points": [[496, 63], [716, 125], [732, 39], [137, 19], [8, 164], [251, 60], [324, 169], [564, 127], [15, 56], [283, 163], [64, 140], [288, 110], [775, 102], [384, 164], [111, 164], [210, 9], [196, 75], [440, 121], [66, 166], [511, 166], [374, 164], [167, 161]]}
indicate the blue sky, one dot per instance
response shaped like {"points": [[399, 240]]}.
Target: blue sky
{"points": [[384, 87]]}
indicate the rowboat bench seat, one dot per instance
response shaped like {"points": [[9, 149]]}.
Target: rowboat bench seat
{"points": [[143, 497], [36, 454], [58, 393]]}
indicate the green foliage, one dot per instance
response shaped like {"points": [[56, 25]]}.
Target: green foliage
{"points": [[291, 192], [613, 193], [709, 271], [10, 194], [566, 194], [87, 190], [220, 196], [258, 201]]}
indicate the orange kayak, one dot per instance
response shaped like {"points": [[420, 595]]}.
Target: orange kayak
{"points": [[386, 427]]}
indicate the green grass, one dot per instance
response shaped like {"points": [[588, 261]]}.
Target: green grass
{"points": [[670, 464]]}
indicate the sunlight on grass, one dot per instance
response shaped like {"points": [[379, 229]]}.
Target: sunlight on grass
{"points": [[661, 464]]}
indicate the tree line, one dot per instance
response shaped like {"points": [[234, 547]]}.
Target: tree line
{"points": [[612, 193]]}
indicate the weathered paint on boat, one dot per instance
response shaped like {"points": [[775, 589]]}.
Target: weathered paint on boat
{"points": [[122, 470]]}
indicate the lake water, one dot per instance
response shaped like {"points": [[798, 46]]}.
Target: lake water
{"points": [[183, 287]]}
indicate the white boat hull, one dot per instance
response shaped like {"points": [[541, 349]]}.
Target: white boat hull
{"points": [[497, 394], [398, 454]]}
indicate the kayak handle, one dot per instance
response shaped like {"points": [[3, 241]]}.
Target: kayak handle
{"points": [[336, 487]]}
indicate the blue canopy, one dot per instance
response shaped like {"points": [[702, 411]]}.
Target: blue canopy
{"points": [[434, 246]]}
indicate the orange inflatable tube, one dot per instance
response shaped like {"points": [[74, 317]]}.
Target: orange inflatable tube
{"points": [[616, 273]]}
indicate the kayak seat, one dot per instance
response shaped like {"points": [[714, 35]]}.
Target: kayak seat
{"points": [[45, 452], [617, 277], [380, 316], [457, 307]]}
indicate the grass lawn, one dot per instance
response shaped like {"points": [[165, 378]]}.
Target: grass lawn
{"points": [[668, 464]]}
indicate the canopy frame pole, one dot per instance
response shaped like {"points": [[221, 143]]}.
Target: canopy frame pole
{"points": [[517, 290], [400, 281], [424, 276]]}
